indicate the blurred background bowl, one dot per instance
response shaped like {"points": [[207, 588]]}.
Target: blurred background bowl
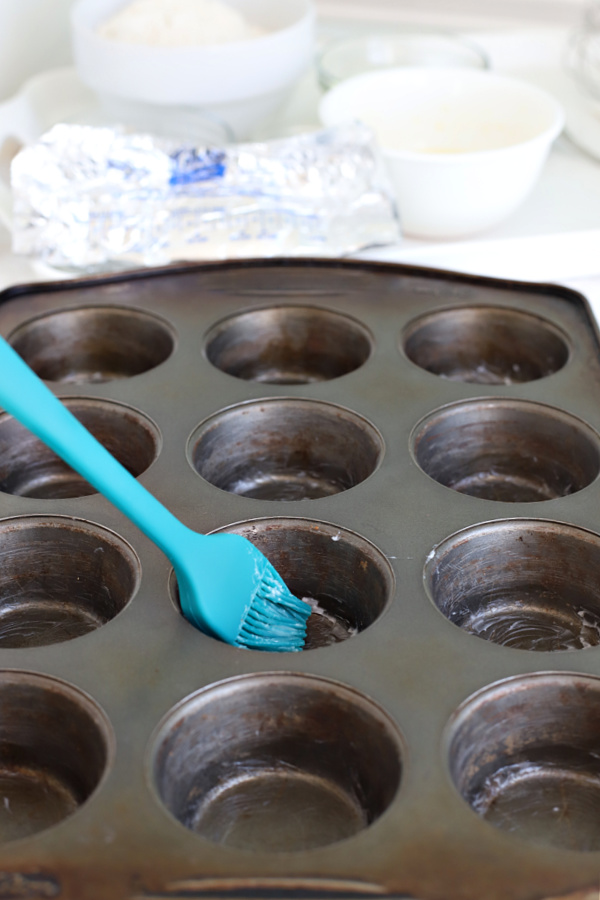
{"points": [[179, 90], [463, 147], [345, 58]]}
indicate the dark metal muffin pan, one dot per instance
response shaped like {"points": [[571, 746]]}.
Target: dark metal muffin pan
{"points": [[418, 453]]}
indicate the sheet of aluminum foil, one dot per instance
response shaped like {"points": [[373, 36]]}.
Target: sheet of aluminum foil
{"points": [[97, 198]]}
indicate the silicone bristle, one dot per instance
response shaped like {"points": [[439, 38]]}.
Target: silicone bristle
{"points": [[276, 619]]}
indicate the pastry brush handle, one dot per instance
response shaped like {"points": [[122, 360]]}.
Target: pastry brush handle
{"points": [[26, 397]]}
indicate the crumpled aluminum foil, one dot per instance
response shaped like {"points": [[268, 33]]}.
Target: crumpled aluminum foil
{"points": [[96, 198]]}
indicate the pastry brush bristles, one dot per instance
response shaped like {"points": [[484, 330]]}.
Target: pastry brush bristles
{"points": [[276, 619]]}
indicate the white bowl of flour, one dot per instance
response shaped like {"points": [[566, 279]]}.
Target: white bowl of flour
{"points": [[235, 60]]}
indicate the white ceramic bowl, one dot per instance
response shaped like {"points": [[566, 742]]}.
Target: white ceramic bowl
{"points": [[241, 83], [463, 147]]}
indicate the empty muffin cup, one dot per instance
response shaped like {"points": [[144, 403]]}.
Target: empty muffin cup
{"points": [[276, 762], [347, 581], [56, 746], [93, 344], [525, 754], [511, 450], [288, 345], [285, 449], [486, 345], [60, 578], [522, 583], [28, 468]]}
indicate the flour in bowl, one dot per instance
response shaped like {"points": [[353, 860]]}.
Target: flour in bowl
{"points": [[175, 23]]}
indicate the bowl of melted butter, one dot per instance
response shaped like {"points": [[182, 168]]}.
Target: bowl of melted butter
{"points": [[463, 147]]}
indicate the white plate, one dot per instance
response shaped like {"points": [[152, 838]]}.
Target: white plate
{"points": [[583, 124]]}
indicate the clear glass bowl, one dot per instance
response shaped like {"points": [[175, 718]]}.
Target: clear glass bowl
{"points": [[344, 58], [187, 124]]}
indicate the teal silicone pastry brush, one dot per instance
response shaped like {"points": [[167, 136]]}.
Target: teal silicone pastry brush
{"points": [[227, 587]]}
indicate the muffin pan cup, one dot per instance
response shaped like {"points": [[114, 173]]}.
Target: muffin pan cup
{"points": [[406, 758]]}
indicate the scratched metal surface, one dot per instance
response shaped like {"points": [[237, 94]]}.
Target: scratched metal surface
{"points": [[391, 785]]}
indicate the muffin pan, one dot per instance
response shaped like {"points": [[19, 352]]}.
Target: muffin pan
{"points": [[417, 452]]}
